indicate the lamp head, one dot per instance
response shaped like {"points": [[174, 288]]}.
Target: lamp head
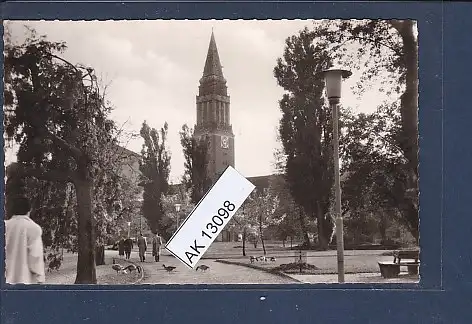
{"points": [[333, 80], [177, 207]]}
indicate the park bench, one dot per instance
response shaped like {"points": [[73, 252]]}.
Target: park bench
{"points": [[392, 269]]}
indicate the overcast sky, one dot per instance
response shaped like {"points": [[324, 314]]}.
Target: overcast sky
{"points": [[153, 69]]}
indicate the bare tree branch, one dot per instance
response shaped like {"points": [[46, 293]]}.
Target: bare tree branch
{"points": [[374, 41], [74, 151], [65, 61]]}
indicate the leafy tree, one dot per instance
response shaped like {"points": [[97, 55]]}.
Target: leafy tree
{"points": [[306, 129], [173, 218], [51, 208], [155, 170], [375, 169], [57, 114], [260, 208], [292, 221], [55, 209], [287, 218], [387, 51], [196, 178], [243, 222], [116, 200]]}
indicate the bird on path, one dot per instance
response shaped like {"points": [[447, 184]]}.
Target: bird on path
{"points": [[202, 267], [132, 268], [272, 259], [117, 267], [169, 268]]}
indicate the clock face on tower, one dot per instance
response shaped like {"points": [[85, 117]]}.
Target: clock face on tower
{"points": [[224, 142]]}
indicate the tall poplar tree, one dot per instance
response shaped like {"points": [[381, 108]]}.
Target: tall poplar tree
{"points": [[195, 151], [306, 130], [155, 170]]}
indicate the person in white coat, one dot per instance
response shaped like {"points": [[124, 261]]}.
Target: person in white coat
{"points": [[24, 256], [156, 247]]}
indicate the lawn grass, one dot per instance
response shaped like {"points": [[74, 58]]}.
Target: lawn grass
{"points": [[319, 262], [113, 278]]}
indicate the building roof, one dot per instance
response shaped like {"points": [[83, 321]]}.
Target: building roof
{"points": [[262, 182], [128, 153]]}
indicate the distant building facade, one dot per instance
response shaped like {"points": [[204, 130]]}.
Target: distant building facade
{"points": [[128, 163]]}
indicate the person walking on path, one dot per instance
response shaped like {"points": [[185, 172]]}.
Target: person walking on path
{"points": [[128, 246], [142, 246], [121, 247], [156, 247], [24, 255]]}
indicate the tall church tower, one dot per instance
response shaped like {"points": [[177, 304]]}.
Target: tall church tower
{"points": [[213, 114]]}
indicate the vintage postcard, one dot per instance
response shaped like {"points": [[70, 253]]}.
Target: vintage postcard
{"points": [[117, 131]]}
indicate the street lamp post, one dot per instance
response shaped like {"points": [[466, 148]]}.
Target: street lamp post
{"points": [[140, 201], [333, 82], [129, 229], [177, 209]]}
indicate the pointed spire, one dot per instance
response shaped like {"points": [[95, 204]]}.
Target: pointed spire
{"points": [[212, 63]]}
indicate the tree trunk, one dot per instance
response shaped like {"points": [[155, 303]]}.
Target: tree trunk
{"points": [[323, 239], [383, 224], [263, 245], [413, 221], [291, 242], [409, 99], [244, 242], [409, 117], [283, 242], [86, 273], [262, 239], [261, 233], [305, 235]]}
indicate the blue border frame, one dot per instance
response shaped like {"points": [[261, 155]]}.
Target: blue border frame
{"points": [[444, 190]]}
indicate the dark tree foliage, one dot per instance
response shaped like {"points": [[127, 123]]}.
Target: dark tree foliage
{"points": [[306, 130], [375, 168], [195, 151], [57, 114], [54, 208], [387, 50], [172, 218], [286, 217], [155, 170]]}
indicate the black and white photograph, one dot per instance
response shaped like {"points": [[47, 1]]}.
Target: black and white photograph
{"points": [[114, 131]]}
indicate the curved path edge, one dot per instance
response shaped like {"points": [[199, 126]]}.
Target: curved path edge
{"points": [[277, 273]]}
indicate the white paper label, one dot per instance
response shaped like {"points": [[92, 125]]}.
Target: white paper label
{"points": [[209, 217]]}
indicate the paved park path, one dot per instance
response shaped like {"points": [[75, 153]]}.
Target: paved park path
{"points": [[361, 266], [219, 273], [154, 273]]}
